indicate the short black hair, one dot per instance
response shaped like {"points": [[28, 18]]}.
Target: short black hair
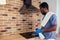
{"points": [[44, 5]]}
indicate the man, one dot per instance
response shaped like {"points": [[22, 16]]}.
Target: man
{"points": [[49, 30]]}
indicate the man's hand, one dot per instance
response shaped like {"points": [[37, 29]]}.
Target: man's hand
{"points": [[37, 32]]}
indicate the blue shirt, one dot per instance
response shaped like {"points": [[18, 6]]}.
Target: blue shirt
{"points": [[52, 21]]}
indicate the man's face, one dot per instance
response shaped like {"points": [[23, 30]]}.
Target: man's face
{"points": [[43, 10]]}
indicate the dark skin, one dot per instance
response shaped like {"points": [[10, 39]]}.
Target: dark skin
{"points": [[53, 27]]}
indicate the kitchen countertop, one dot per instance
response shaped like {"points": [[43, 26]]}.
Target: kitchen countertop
{"points": [[15, 37], [19, 37]]}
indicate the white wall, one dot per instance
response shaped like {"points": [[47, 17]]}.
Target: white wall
{"points": [[58, 14], [54, 6]]}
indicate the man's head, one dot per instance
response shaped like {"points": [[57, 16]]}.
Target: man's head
{"points": [[44, 8]]}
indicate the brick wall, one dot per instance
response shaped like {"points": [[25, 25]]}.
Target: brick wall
{"points": [[15, 18]]}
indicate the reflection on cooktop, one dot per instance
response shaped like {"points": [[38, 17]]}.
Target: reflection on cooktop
{"points": [[28, 35]]}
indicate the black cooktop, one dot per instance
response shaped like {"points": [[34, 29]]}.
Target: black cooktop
{"points": [[28, 35]]}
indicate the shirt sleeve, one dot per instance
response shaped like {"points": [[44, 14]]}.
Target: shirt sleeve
{"points": [[53, 20]]}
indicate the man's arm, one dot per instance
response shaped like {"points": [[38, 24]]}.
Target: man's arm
{"points": [[52, 28]]}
